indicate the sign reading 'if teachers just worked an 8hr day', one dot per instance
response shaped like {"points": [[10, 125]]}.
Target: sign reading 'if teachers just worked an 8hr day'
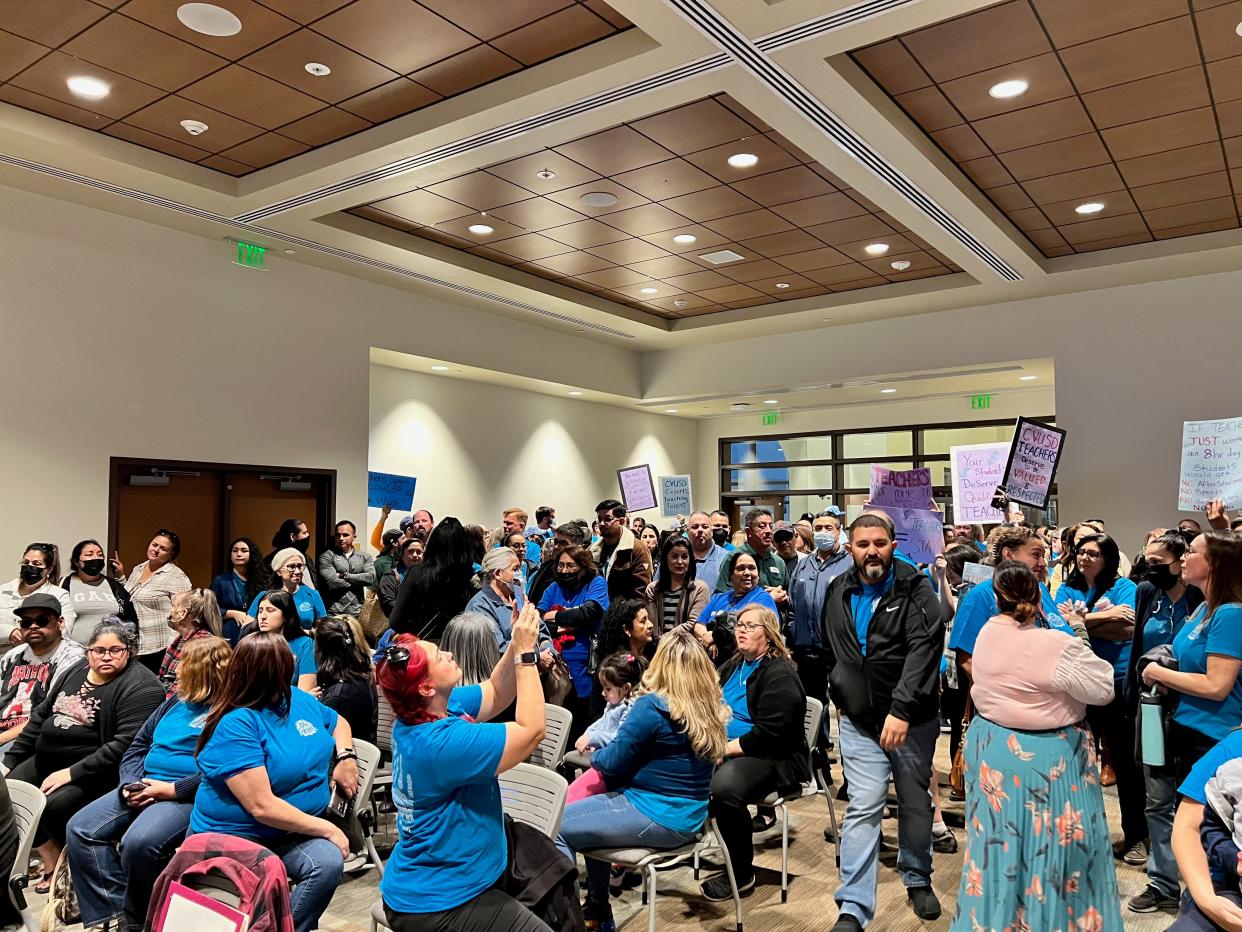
{"points": [[1033, 458], [1211, 463]]}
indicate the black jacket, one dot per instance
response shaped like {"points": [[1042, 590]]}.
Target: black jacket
{"points": [[119, 592], [776, 703], [901, 672], [1146, 600]]}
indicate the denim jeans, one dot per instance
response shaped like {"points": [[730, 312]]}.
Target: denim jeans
{"points": [[611, 821], [868, 768], [111, 880], [315, 867], [1161, 803]]}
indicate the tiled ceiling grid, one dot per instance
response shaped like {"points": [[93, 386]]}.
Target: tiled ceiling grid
{"points": [[1135, 105], [799, 230], [388, 58]]}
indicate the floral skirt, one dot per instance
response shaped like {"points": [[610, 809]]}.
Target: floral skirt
{"points": [[1038, 856]]}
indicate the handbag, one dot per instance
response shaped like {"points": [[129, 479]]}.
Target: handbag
{"points": [[374, 624], [557, 681], [957, 774], [62, 904]]}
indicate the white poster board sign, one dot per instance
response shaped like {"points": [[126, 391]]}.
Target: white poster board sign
{"points": [[1211, 464], [976, 470]]}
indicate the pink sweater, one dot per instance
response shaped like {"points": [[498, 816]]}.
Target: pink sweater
{"points": [[1034, 678]]}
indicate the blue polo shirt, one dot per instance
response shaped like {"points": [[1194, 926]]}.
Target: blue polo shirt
{"points": [[1165, 621], [708, 569], [1122, 592], [1201, 635], [308, 601], [979, 604], [735, 698], [450, 824], [296, 750]]}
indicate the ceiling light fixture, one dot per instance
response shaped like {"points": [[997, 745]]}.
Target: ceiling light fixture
{"points": [[598, 199], [680, 302], [439, 368], [209, 19], [90, 88], [1238, 29], [876, 249], [1006, 90], [887, 391], [670, 410], [743, 160], [1027, 378], [649, 290], [770, 401], [480, 229], [194, 127], [901, 265], [545, 174], [782, 284], [318, 70], [290, 252], [685, 238], [1091, 207], [575, 394]]}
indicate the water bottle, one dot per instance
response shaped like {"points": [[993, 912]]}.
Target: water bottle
{"points": [[1152, 723]]}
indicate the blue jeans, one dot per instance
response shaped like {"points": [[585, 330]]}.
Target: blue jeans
{"points": [[868, 768], [315, 867], [115, 854], [611, 821], [1161, 803]]}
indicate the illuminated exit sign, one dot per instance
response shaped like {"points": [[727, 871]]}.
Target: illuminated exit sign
{"points": [[250, 256], [980, 402], [770, 418]]}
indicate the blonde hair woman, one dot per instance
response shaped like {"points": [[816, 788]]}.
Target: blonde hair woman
{"points": [[767, 739], [659, 767], [195, 614]]}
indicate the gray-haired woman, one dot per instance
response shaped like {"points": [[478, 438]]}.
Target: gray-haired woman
{"points": [[72, 746], [468, 638], [500, 596]]}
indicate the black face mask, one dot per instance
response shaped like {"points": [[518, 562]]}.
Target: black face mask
{"points": [[92, 567], [31, 574], [1161, 577], [566, 580], [720, 535], [302, 545]]}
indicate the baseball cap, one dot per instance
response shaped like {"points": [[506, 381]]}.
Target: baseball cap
{"points": [[406, 522], [39, 600], [782, 531]]}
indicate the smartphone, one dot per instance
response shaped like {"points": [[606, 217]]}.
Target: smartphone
{"points": [[135, 787], [340, 804]]}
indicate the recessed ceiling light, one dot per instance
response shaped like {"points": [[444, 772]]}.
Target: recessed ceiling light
{"points": [[1091, 207], [1027, 378], [685, 238], [901, 265], [575, 394], [770, 401], [743, 160], [545, 174], [439, 368], [1007, 89], [876, 249], [826, 319], [670, 410], [290, 252], [782, 284], [90, 88], [318, 70], [649, 290], [194, 127], [680, 302], [480, 229], [1238, 29], [598, 199], [887, 391], [209, 19]]}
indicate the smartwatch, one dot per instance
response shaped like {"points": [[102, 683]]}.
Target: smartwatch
{"points": [[527, 659]]}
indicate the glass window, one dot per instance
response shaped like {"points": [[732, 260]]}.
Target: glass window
{"points": [[940, 471], [877, 444], [806, 448], [810, 477], [858, 475], [939, 440], [768, 479]]}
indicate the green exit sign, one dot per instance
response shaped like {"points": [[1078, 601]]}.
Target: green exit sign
{"points": [[250, 256], [980, 402], [770, 418]]}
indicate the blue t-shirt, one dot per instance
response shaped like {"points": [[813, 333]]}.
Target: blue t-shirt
{"points": [[729, 601], [862, 607], [1164, 622], [1122, 592], [735, 698], [1195, 785], [308, 601], [171, 756], [303, 657], [979, 604], [296, 750], [1203, 634], [578, 655], [450, 828]]}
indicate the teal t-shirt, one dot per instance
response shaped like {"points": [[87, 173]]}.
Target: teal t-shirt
{"points": [[308, 601], [171, 757], [1203, 634], [296, 750], [735, 699], [303, 657], [1121, 592]]}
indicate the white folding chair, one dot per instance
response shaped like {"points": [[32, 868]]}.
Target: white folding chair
{"points": [[28, 804], [363, 809], [383, 738], [816, 786], [529, 793], [551, 750], [649, 860]]}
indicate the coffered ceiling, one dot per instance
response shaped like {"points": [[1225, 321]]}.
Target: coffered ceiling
{"points": [[871, 123]]}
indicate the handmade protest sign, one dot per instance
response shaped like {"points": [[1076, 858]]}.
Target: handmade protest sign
{"points": [[675, 496], [1033, 457], [908, 488], [387, 489], [975, 573], [976, 470], [920, 532], [637, 489], [1211, 464]]}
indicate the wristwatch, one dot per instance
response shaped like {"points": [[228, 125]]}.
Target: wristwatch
{"points": [[528, 659]]}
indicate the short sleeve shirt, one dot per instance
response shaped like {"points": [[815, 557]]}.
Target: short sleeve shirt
{"points": [[1201, 635]]}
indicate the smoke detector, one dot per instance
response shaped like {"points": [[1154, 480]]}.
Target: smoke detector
{"points": [[194, 127]]}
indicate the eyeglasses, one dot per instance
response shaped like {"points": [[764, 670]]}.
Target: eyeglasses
{"points": [[748, 626], [36, 622], [295, 567], [396, 655], [1090, 554], [102, 652]]}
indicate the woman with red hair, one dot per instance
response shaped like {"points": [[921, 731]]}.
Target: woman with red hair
{"points": [[451, 852]]}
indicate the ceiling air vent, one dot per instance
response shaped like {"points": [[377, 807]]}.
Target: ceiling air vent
{"points": [[721, 257], [739, 406]]}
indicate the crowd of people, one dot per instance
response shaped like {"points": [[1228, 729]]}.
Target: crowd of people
{"points": [[149, 709]]}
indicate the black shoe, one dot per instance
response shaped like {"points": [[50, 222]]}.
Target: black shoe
{"points": [[620, 879], [945, 843], [1151, 900], [762, 822], [598, 917], [847, 923], [923, 901], [717, 888]]}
